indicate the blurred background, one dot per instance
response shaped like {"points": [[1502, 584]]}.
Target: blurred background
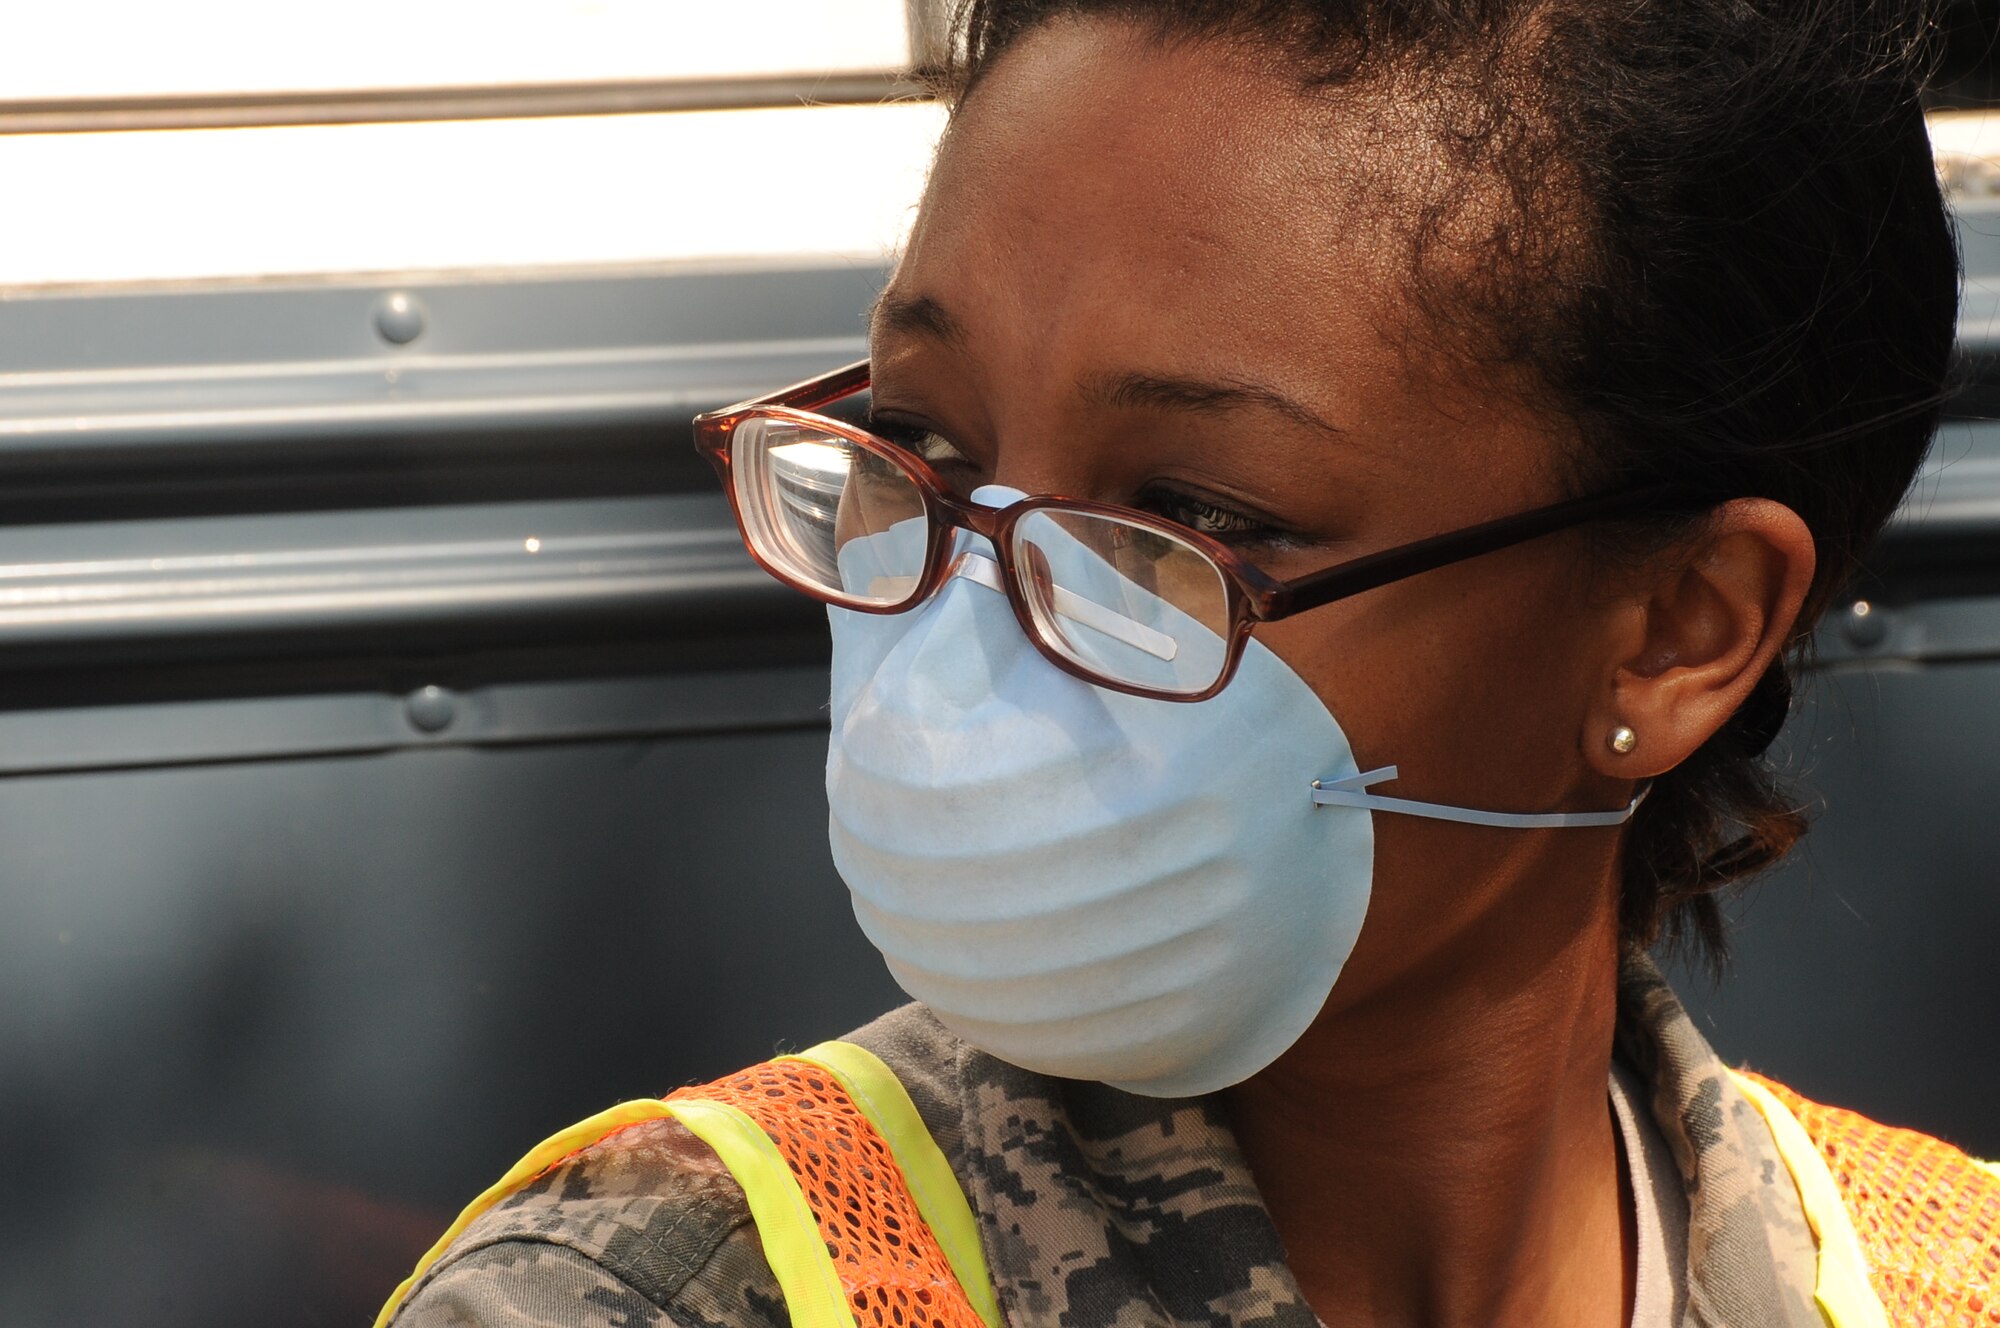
{"points": [[399, 758]]}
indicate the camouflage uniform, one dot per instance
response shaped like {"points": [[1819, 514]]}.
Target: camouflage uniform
{"points": [[1097, 1208]]}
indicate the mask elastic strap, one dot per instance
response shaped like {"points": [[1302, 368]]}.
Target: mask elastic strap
{"points": [[1351, 791]]}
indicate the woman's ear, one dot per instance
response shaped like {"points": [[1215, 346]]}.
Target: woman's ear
{"points": [[1691, 641]]}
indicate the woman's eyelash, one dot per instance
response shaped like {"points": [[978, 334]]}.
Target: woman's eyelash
{"points": [[1212, 519], [925, 444], [1228, 524]]}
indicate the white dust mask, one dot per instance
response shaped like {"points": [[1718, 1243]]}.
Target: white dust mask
{"points": [[1155, 894]]}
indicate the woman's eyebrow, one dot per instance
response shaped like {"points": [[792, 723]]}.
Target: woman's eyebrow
{"points": [[919, 315], [923, 316], [1165, 392]]}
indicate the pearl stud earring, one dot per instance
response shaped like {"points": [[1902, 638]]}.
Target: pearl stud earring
{"points": [[1623, 740]]}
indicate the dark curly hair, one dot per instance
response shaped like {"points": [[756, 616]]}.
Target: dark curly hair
{"points": [[1710, 230]]}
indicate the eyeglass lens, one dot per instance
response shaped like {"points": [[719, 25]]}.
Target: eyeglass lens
{"points": [[1124, 601], [831, 515]]}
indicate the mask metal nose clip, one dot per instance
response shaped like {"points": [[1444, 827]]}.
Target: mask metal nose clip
{"points": [[983, 571], [980, 570]]}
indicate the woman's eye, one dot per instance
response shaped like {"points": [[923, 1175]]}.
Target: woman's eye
{"points": [[927, 445], [1211, 519]]}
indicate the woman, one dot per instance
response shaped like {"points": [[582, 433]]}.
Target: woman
{"points": [[1151, 676]]}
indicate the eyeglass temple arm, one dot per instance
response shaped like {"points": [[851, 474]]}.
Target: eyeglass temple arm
{"points": [[1376, 569], [814, 392]]}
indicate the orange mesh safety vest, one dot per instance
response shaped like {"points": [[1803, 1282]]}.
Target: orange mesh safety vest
{"points": [[865, 1226], [1908, 1227], [861, 1218]]}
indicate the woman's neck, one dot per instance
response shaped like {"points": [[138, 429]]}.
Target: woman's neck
{"points": [[1442, 1153]]}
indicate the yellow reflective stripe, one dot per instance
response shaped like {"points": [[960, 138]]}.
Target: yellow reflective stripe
{"points": [[539, 1159], [886, 1103], [785, 1223], [1843, 1293], [1993, 1167]]}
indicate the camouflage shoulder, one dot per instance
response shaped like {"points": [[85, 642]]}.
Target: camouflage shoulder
{"points": [[644, 1227], [929, 1060]]}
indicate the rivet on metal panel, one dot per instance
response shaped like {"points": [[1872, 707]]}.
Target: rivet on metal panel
{"points": [[431, 709], [1865, 624], [399, 318]]}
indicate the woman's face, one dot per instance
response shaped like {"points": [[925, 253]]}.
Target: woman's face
{"points": [[1155, 275]]}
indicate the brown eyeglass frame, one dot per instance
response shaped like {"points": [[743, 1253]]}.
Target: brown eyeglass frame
{"points": [[1254, 595]]}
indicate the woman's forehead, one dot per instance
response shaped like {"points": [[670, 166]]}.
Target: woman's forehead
{"points": [[1100, 189]]}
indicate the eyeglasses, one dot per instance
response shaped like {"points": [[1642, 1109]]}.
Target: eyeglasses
{"points": [[1120, 598]]}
